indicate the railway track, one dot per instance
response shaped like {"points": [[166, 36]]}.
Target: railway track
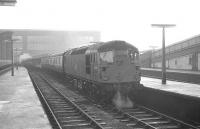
{"points": [[140, 117], [73, 112], [66, 113]]}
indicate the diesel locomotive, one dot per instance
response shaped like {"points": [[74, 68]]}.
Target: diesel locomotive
{"points": [[101, 69]]}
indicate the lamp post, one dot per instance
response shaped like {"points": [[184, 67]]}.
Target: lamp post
{"points": [[163, 26], [12, 54]]}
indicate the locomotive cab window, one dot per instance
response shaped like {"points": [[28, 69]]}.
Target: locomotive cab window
{"points": [[107, 56]]}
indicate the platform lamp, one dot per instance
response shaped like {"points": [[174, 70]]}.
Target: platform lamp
{"points": [[163, 26]]}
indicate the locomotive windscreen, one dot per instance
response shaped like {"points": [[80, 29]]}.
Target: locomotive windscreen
{"points": [[107, 56]]}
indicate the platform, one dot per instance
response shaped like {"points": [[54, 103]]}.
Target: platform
{"points": [[20, 107], [172, 86], [174, 71]]}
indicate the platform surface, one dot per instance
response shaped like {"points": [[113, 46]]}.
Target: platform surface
{"points": [[20, 107], [174, 70], [172, 86]]}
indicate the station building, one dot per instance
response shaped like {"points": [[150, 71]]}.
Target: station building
{"points": [[183, 55], [5, 49]]}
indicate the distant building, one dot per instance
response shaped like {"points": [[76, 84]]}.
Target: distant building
{"points": [[42, 42], [5, 48], [183, 55]]}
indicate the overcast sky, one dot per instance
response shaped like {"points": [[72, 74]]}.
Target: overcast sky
{"points": [[128, 20]]}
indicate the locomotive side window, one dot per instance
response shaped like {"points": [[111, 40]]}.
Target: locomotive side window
{"points": [[137, 56], [87, 58], [131, 54], [88, 64], [107, 56], [134, 56]]}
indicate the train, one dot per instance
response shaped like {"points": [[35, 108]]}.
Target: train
{"points": [[101, 68]]}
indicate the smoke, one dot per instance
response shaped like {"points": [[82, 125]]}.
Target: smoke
{"points": [[122, 101], [25, 56]]}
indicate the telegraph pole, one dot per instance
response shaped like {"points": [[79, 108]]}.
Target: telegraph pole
{"points": [[163, 26]]}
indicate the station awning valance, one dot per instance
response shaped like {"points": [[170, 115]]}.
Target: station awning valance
{"points": [[8, 2]]}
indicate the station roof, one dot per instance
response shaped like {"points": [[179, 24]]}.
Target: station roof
{"points": [[8, 2], [178, 46]]}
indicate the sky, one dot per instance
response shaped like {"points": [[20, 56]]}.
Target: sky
{"points": [[128, 20]]}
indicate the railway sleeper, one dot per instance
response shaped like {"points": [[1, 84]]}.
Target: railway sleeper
{"points": [[70, 117], [131, 124], [67, 108], [68, 114], [64, 111], [57, 102], [131, 110], [61, 106], [142, 115], [74, 122], [82, 125], [168, 126], [150, 118], [137, 112], [153, 122]]}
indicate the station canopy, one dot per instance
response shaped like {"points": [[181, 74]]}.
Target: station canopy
{"points": [[8, 2]]}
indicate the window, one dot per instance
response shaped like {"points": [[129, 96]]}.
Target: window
{"points": [[133, 56], [175, 62], [94, 57], [190, 60], [107, 56], [88, 64]]}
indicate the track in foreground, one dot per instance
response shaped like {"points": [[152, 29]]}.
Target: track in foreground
{"points": [[137, 118], [66, 113], [144, 118]]}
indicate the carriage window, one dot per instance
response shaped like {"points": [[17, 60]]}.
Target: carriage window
{"points": [[107, 56]]}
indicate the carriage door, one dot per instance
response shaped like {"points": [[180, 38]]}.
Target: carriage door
{"points": [[88, 65]]}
